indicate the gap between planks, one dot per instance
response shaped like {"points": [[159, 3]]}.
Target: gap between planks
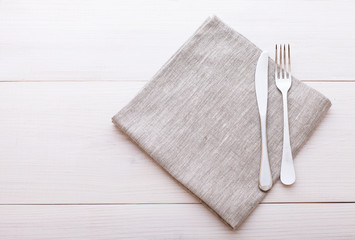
{"points": [[175, 203], [46, 81]]}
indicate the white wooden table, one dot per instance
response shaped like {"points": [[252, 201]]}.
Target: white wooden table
{"points": [[67, 66]]}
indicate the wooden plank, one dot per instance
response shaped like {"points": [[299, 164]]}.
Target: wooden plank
{"points": [[131, 40], [59, 146], [175, 221]]}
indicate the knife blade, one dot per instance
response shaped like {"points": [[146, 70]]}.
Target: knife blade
{"points": [[261, 89]]}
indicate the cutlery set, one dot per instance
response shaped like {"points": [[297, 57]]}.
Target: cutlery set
{"points": [[283, 83]]}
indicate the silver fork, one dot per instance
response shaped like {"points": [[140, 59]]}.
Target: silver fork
{"points": [[283, 83]]}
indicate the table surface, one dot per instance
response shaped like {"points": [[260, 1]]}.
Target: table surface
{"points": [[67, 66]]}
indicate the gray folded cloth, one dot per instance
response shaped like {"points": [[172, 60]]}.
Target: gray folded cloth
{"points": [[198, 119]]}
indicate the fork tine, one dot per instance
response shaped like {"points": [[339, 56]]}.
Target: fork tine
{"points": [[281, 66], [285, 62], [289, 60]]}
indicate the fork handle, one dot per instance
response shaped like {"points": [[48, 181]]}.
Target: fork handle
{"points": [[265, 177], [287, 174]]}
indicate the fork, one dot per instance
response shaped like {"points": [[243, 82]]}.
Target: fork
{"points": [[283, 83]]}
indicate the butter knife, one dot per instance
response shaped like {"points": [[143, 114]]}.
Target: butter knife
{"points": [[261, 88]]}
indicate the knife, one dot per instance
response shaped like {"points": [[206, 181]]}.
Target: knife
{"points": [[261, 88]]}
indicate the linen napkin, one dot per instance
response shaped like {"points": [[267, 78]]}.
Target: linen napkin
{"points": [[198, 118]]}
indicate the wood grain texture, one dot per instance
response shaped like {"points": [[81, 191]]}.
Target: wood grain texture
{"points": [[175, 221], [131, 40], [59, 146]]}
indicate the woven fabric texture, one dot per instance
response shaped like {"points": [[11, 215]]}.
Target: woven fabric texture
{"points": [[198, 118]]}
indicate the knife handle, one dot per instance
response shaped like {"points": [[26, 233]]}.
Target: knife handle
{"points": [[265, 177]]}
